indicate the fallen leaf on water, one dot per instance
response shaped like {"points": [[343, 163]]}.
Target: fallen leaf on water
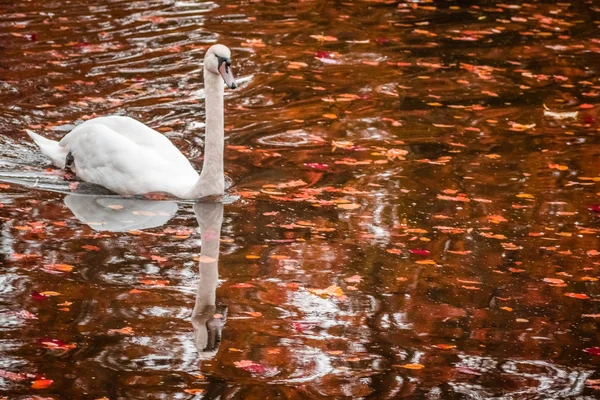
{"points": [[560, 115], [354, 279], [591, 315], [332, 290], [346, 206], [420, 252], [249, 366], [595, 351], [525, 196], [154, 282], [194, 391], [90, 247], [426, 262], [253, 313], [125, 331], [412, 366], [581, 296], [241, 286], [50, 293], [41, 383], [330, 116], [554, 281], [445, 346], [59, 267], [558, 167]]}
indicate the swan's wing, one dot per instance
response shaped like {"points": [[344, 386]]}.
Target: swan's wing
{"points": [[107, 158], [140, 134]]}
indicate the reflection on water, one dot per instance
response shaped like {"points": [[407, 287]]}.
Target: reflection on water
{"points": [[417, 214]]}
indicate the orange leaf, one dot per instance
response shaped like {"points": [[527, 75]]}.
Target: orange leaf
{"points": [[581, 296], [346, 206], [41, 383], [194, 391], [412, 366], [59, 267]]}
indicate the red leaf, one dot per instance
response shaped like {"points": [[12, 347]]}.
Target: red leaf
{"points": [[420, 252], [38, 296], [41, 383], [317, 166], [595, 351]]}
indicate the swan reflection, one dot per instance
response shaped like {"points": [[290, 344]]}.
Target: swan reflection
{"points": [[116, 214]]}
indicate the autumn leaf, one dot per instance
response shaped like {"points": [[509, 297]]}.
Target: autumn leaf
{"points": [[41, 383], [249, 366], [194, 391], [348, 206], [59, 267], [332, 290], [412, 366], [555, 281], [595, 351], [581, 296], [241, 286], [420, 252], [354, 279], [125, 331], [154, 282]]}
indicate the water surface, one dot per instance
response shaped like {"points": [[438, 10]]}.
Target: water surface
{"points": [[417, 211]]}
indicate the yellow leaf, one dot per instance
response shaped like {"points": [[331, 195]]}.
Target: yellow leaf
{"points": [[412, 366], [351, 206], [525, 196], [50, 293], [330, 116], [426, 262]]}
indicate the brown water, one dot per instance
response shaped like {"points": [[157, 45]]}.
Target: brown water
{"points": [[414, 217]]}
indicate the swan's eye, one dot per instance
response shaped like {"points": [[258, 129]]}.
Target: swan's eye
{"points": [[225, 60]]}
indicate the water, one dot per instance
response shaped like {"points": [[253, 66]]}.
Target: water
{"points": [[411, 216]]}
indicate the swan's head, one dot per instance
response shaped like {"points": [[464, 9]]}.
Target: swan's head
{"points": [[217, 60]]}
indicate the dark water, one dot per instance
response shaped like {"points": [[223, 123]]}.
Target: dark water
{"points": [[417, 214]]}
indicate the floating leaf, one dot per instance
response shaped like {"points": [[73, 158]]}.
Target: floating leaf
{"points": [[581, 296], [354, 279], [595, 351], [348, 206], [194, 391], [412, 366], [41, 383]]}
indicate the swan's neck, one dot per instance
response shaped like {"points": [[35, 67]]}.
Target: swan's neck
{"points": [[212, 177]]}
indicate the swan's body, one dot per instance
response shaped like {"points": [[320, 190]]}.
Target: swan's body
{"points": [[127, 157]]}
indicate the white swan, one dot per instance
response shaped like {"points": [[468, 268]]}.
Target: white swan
{"points": [[129, 158]]}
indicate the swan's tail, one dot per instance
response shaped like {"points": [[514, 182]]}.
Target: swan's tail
{"points": [[50, 148]]}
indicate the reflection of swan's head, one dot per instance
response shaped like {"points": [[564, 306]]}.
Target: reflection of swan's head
{"points": [[217, 60], [208, 325]]}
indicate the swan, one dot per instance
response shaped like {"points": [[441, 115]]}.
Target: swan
{"points": [[129, 158]]}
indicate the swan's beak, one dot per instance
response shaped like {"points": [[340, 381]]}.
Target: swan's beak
{"points": [[225, 71]]}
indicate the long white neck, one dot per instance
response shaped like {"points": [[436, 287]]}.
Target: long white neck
{"points": [[212, 177]]}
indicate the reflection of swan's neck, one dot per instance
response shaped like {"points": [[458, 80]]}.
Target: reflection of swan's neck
{"points": [[212, 178], [206, 326]]}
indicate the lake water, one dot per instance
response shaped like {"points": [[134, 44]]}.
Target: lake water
{"points": [[414, 210]]}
